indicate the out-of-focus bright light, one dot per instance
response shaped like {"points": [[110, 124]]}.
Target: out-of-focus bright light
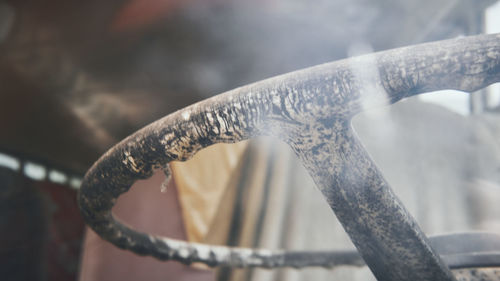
{"points": [[492, 18], [455, 101], [75, 183], [493, 98], [34, 171], [492, 25], [57, 177], [9, 162], [38, 172]]}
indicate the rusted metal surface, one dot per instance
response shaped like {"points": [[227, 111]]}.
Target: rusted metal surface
{"points": [[481, 274], [311, 110]]}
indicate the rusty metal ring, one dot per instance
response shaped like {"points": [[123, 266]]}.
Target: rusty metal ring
{"points": [[311, 110]]}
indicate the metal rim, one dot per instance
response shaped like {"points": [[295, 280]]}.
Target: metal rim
{"points": [[304, 109]]}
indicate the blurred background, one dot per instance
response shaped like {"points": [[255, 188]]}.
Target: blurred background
{"points": [[78, 76]]}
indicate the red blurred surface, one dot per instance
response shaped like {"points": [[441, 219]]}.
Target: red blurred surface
{"points": [[65, 231]]}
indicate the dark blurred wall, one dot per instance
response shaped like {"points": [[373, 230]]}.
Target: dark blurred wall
{"points": [[23, 228], [40, 230]]}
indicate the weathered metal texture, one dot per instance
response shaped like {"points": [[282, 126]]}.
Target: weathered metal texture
{"points": [[468, 250], [477, 274], [311, 110]]}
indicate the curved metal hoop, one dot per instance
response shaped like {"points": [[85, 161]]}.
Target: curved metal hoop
{"points": [[311, 110]]}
